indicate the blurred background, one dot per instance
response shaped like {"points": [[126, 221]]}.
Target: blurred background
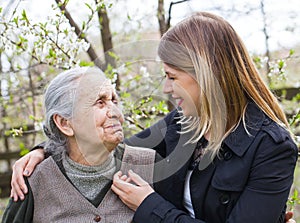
{"points": [[38, 39]]}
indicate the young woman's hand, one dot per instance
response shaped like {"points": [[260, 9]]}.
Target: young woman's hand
{"points": [[131, 189], [24, 167]]}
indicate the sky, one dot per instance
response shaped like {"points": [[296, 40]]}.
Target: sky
{"points": [[133, 15], [249, 26]]}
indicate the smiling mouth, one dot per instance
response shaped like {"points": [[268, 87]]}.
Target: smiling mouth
{"points": [[179, 102], [116, 127]]}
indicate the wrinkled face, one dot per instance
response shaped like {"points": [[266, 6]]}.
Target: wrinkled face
{"points": [[97, 118], [183, 88]]}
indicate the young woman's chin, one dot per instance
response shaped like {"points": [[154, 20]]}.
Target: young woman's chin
{"points": [[189, 111]]}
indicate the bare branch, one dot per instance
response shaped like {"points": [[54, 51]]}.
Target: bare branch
{"points": [[168, 23], [91, 52]]}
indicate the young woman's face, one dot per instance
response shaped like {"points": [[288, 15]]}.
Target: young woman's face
{"points": [[97, 118], [183, 88]]}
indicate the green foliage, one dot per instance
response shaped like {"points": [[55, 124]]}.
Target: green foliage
{"points": [[16, 132], [296, 98], [258, 61], [35, 118], [111, 73], [23, 149], [293, 200], [84, 63], [295, 119]]}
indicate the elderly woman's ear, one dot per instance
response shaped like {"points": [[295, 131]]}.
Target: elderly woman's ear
{"points": [[63, 125]]}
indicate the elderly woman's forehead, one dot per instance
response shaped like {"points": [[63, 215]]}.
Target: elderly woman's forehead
{"points": [[94, 83], [92, 79]]}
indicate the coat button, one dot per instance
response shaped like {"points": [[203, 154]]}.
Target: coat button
{"points": [[227, 155], [97, 218], [224, 198]]}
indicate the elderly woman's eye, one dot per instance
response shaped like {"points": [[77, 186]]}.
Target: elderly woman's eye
{"points": [[100, 102]]}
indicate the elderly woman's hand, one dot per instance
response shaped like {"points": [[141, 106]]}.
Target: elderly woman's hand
{"points": [[131, 189], [288, 217], [24, 167]]}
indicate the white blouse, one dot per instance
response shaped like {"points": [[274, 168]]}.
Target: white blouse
{"points": [[187, 201]]}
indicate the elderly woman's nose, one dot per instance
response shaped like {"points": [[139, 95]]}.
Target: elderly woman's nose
{"points": [[114, 111]]}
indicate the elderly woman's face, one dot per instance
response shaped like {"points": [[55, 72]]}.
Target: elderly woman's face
{"points": [[97, 118]]}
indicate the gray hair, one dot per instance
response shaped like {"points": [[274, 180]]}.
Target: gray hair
{"points": [[59, 99]]}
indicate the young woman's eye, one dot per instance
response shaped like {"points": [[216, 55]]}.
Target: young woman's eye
{"points": [[115, 101], [169, 77]]}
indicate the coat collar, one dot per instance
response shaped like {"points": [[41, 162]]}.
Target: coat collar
{"points": [[239, 140]]}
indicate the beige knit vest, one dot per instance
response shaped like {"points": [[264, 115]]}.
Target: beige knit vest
{"points": [[56, 200]]}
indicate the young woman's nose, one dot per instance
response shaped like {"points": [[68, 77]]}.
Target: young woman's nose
{"points": [[167, 88]]}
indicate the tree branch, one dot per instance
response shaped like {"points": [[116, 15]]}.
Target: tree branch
{"points": [[168, 23], [91, 52]]}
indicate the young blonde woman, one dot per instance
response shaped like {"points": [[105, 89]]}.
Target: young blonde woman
{"points": [[229, 155], [243, 165]]}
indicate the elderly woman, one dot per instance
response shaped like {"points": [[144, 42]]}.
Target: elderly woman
{"points": [[84, 127]]}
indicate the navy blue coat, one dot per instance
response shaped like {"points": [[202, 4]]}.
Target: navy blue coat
{"points": [[249, 182]]}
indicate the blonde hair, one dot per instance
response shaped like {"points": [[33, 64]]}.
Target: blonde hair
{"points": [[206, 46]]}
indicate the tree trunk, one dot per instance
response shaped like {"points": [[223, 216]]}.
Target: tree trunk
{"points": [[107, 43], [161, 17], [3, 114], [265, 31]]}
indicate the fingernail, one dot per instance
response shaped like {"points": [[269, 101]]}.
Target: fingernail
{"points": [[26, 172], [130, 171]]}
